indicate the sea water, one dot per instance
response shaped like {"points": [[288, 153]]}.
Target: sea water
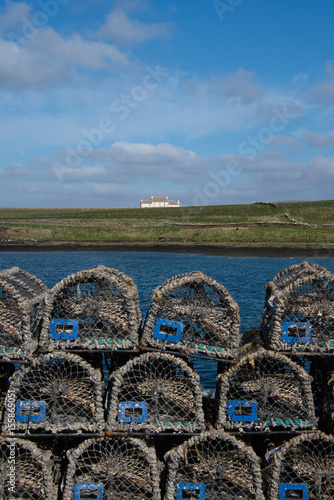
{"points": [[244, 278]]}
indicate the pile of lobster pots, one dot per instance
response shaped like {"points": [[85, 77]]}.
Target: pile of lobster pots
{"points": [[96, 403]]}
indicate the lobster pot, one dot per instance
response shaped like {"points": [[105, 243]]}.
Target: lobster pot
{"points": [[329, 401], [265, 390], [213, 465], [92, 309], [155, 392], [21, 311], [299, 309], [27, 472], [118, 468], [58, 392], [193, 313], [6, 371], [302, 468]]}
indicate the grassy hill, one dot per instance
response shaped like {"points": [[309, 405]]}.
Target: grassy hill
{"points": [[287, 224]]}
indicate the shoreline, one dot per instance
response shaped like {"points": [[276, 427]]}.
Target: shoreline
{"points": [[195, 248]]}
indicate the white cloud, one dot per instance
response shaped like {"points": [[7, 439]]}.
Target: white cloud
{"points": [[240, 85], [12, 15], [49, 59], [127, 172], [32, 53], [288, 142], [316, 140], [125, 31], [323, 91]]}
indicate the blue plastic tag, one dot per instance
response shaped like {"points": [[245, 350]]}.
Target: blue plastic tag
{"points": [[69, 330], [26, 411], [129, 405], [163, 327], [242, 411]]}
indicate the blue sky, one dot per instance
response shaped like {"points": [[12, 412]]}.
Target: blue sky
{"points": [[105, 102]]}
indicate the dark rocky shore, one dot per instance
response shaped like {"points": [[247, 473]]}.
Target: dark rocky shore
{"points": [[196, 248]]}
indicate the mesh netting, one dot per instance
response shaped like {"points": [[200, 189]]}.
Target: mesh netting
{"points": [[26, 472], [21, 311], [215, 466], [193, 313], [303, 468], [58, 392], [290, 274], [155, 392], [118, 468], [265, 390], [299, 309], [6, 371], [92, 309], [329, 401]]}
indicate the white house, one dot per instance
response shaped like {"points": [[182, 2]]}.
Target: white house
{"points": [[159, 201]]}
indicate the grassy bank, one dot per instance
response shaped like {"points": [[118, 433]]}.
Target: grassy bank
{"points": [[234, 225]]}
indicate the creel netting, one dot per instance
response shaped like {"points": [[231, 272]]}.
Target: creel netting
{"points": [[57, 392], [33, 475], [21, 311], [193, 313], [329, 400], [265, 390], [215, 465], [117, 468], [96, 308], [299, 311], [302, 468], [155, 392]]}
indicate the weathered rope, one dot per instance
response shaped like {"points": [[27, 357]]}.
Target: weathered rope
{"points": [[265, 390], [21, 311], [304, 466], [123, 467], [217, 462], [102, 301], [57, 392], [299, 309], [205, 314], [33, 474], [155, 392]]}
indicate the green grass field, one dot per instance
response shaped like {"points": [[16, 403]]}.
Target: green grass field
{"points": [[226, 224]]}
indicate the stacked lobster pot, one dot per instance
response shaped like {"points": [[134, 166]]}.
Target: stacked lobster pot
{"points": [[21, 311], [119, 467], [301, 468], [265, 391], [155, 392], [192, 313], [328, 402], [93, 309], [55, 393], [213, 465], [299, 310], [27, 471]]}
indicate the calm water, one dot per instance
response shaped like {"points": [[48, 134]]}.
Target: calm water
{"points": [[244, 278]]}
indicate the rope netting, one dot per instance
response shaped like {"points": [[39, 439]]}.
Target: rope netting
{"points": [[263, 391], [299, 309], [57, 392], [96, 308], [213, 466], [156, 392], [118, 468], [302, 468], [193, 313], [290, 274], [21, 310], [328, 401], [26, 471]]}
